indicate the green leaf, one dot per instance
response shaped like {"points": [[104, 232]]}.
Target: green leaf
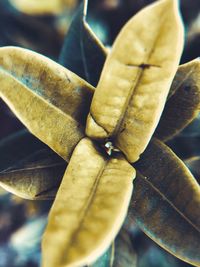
{"points": [[183, 103], [51, 101], [29, 168], [166, 202], [82, 52], [89, 208]]}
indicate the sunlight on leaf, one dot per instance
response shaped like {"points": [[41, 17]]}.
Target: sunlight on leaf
{"points": [[28, 82], [89, 208], [136, 79]]}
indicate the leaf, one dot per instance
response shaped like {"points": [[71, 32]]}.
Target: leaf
{"points": [[185, 146], [183, 103], [89, 208], [106, 260], [166, 202], [82, 52], [35, 177], [125, 255], [51, 101], [16, 147], [34, 7], [120, 254], [194, 165], [136, 78]]}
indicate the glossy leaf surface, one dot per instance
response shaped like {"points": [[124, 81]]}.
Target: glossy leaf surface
{"points": [[183, 101], [51, 101], [136, 79], [166, 202], [89, 208], [82, 52]]}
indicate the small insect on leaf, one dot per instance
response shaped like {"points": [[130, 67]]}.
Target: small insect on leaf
{"points": [[89, 208], [136, 79]]}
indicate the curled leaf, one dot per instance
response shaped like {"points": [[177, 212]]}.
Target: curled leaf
{"points": [[82, 52], [89, 208], [136, 78], [183, 103], [166, 202], [51, 101]]}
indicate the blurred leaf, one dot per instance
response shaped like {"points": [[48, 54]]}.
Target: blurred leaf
{"points": [[89, 209], [124, 107], [106, 260], [16, 147], [26, 241], [37, 176], [82, 52], [41, 7], [124, 255], [31, 32], [28, 82], [166, 202], [185, 146], [183, 102], [194, 165]]}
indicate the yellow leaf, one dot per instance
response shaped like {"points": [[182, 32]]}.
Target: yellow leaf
{"points": [[41, 7], [51, 101], [136, 79], [89, 208]]}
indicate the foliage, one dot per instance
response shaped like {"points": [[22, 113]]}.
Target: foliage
{"points": [[110, 139]]}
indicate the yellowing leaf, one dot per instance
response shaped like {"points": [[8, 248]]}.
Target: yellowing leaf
{"points": [[51, 101], [136, 79], [166, 202], [89, 208], [183, 103], [40, 7], [35, 177]]}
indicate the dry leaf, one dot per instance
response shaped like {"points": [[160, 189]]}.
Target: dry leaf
{"points": [[89, 208], [166, 202], [136, 79], [35, 177], [183, 102], [28, 83]]}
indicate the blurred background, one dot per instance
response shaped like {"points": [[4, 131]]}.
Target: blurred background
{"points": [[42, 28]]}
